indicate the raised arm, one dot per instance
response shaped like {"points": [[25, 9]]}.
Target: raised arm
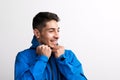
{"points": [[70, 67], [26, 71]]}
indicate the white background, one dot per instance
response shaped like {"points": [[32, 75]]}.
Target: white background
{"points": [[91, 28]]}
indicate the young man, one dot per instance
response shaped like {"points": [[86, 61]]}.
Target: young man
{"points": [[46, 59]]}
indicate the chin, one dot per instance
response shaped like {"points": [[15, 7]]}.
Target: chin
{"points": [[52, 46]]}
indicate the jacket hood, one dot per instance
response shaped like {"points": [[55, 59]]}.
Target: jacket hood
{"points": [[34, 42]]}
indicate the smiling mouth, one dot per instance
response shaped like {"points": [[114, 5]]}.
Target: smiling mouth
{"points": [[54, 42]]}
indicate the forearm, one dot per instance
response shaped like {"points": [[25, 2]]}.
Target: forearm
{"points": [[70, 67], [30, 72], [38, 69]]}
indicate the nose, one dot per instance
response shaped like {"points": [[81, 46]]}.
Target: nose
{"points": [[56, 35]]}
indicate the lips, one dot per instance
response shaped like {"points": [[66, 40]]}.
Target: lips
{"points": [[54, 42]]}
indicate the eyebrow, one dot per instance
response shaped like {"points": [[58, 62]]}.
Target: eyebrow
{"points": [[53, 28]]}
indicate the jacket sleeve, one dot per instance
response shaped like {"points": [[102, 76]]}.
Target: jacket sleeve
{"points": [[25, 71], [70, 67]]}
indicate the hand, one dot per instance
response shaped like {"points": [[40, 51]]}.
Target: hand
{"points": [[43, 50], [58, 50]]}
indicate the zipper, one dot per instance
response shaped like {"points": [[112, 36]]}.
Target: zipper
{"points": [[51, 69]]}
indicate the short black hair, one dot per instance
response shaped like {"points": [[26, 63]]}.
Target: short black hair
{"points": [[40, 20]]}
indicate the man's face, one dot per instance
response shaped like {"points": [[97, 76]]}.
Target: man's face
{"points": [[49, 35]]}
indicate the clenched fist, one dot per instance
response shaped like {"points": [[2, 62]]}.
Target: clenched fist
{"points": [[44, 50], [58, 50]]}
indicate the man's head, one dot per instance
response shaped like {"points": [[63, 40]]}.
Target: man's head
{"points": [[45, 27]]}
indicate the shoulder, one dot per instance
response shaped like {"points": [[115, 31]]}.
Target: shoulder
{"points": [[25, 54], [69, 53]]}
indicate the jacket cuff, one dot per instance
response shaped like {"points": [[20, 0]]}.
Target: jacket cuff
{"points": [[61, 58], [42, 58]]}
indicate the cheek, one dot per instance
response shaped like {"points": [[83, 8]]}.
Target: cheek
{"points": [[47, 38]]}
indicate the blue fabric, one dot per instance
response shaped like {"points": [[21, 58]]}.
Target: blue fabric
{"points": [[30, 66]]}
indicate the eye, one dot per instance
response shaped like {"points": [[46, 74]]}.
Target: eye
{"points": [[50, 30]]}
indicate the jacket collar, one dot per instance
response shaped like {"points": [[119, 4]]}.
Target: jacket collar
{"points": [[35, 43]]}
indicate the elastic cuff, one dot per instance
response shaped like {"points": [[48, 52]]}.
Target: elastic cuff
{"points": [[61, 58], [43, 58]]}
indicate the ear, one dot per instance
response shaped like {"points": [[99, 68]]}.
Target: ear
{"points": [[36, 33]]}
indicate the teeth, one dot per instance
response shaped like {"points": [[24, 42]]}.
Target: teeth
{"points": [[55, 42]]}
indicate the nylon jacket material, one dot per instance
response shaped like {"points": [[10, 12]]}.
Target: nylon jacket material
{"points": [[30, 66]]}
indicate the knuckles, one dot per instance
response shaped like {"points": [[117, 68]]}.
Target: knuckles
{"points": [[46, 50]]}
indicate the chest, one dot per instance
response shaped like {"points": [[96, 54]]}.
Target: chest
{"points": [[51, 71]]}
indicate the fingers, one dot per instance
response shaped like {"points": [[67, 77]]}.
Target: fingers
{"points": [[58, 50], [44, 50]]}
